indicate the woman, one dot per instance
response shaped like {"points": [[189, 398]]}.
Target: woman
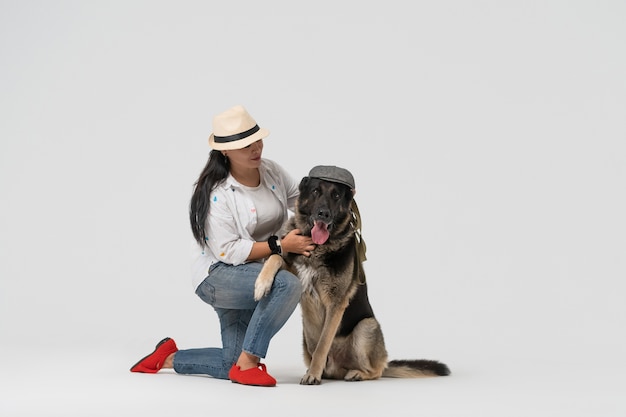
{"points": [[239, 203]]}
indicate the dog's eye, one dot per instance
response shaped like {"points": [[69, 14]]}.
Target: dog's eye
{"points": [[336, 195], [315, 192]]}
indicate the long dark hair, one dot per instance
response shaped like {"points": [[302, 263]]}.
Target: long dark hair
{"points": [[214, 172]]}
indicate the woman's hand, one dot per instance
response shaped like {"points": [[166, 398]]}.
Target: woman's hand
{"points": [[295, 242]]}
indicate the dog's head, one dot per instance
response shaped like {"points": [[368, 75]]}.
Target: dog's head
{"points": [[323, 209]]}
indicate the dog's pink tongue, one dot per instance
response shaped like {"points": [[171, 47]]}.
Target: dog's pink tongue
{"points": [[319, 233]]}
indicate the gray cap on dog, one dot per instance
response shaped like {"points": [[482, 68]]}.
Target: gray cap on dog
{"points": [[333, 174]]}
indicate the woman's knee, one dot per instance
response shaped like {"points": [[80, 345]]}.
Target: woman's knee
{"points": [[288, 281]]}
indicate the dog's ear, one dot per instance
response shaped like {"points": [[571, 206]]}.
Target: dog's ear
{"points": [[303, 183]]}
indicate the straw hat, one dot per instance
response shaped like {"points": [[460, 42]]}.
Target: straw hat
{"points": [[235, 129]]}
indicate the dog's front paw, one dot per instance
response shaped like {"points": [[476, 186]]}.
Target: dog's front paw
{"points": [[261, 288], [264, 281], [309, 379]]}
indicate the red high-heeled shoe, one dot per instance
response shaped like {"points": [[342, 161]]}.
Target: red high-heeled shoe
{"points": [[153, 362], [254, 376]]}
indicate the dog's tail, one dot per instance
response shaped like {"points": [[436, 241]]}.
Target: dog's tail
{"points": [[415, 368]]}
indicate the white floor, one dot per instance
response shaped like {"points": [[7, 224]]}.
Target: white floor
{"points": [[98, 383]]}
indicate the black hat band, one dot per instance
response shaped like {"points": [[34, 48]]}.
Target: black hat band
{"points": [[237, 136]]}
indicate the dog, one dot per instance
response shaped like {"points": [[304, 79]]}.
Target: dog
{"points": [[341, 337]]}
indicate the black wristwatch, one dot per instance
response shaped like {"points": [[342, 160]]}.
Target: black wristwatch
{"points": [[274, 244]]}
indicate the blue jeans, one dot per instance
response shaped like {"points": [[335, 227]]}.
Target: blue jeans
{"points": [[246, 324]]}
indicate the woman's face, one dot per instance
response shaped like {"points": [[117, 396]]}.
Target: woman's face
{"points": [[248, 157]]}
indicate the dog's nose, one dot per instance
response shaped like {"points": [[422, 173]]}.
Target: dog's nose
{"points": [[323, 214]]}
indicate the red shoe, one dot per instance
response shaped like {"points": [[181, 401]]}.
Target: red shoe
{"points": [[152, 363], [252, 376]]}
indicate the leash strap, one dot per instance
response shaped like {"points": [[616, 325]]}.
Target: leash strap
{"points": [[360, 246]]}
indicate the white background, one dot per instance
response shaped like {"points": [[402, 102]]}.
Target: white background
{"points": [[486, 139]]}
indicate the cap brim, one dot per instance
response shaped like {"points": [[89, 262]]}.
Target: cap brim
{"points": [[330, 179]]}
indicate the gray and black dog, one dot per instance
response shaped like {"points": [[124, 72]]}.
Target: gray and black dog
{"points": [[341, 337]]}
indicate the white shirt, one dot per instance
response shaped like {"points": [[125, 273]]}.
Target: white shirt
{"points": [[269, 211], [232, 219]]}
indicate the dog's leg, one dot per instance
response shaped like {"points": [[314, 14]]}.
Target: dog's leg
{"points": [[313, 375], [264, 281], [367, 356]]}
